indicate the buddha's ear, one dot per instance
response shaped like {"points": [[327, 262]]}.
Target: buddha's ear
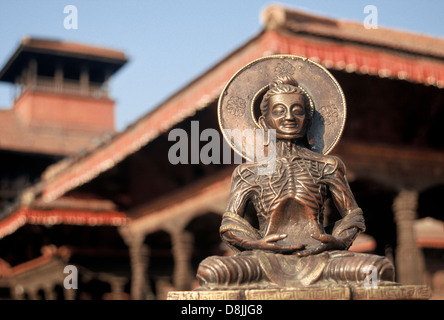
{"points": [[263, 126], [261, 122], [308, 132], [309, 138]]}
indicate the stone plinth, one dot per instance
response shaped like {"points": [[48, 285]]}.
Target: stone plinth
{"points": [[389, 292]]}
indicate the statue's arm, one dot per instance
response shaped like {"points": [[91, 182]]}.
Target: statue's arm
{"points": [[235, 230], [352, 222]]}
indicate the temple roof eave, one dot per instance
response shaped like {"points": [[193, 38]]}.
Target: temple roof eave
{"points": [[108, 58]]}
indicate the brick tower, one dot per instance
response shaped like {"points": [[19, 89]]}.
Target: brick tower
{"points": [[61, 106]]}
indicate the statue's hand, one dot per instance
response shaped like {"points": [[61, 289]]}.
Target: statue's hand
{"points": [[328, 243], [268, 243]]}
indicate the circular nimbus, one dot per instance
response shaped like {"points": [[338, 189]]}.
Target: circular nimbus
{"points": [[238, 106]]}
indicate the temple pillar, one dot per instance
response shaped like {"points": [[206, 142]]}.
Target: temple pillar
{"points": [[58, 77], [17, 87], [31, 76], [32, 293], [409, 259], [49, 292], [117, 287], [84, 81], [182, 247], [17, 292], [23, 81], [106, 82], [70, 294], [139, 256]]}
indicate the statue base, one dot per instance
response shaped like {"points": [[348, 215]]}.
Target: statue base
{"points": [[388, 292]]}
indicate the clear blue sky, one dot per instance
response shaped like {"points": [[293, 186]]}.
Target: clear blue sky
{"points": [[170, 42]]}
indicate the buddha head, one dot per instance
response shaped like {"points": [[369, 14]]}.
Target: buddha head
{"points": [[285, 107]]}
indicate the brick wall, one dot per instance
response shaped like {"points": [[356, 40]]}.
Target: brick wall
{"points": [[66, 112]]}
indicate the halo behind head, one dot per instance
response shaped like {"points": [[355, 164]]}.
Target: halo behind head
{"points": [[239, 102]]}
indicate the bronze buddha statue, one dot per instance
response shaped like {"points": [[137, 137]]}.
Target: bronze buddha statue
{"points": [[274, 222]]}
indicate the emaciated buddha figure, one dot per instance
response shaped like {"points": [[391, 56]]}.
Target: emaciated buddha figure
{"points": [[286, 243]]}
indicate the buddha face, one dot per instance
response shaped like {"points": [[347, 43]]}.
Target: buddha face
{"points": [[286, 114]]}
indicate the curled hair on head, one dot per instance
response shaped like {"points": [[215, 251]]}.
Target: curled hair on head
{"points": [[284, 81]]}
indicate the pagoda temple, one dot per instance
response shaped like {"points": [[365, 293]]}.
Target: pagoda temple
{"points": [[61, 107]]}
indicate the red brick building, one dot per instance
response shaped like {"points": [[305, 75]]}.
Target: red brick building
{"points": [[61, 105], [62, 108]]}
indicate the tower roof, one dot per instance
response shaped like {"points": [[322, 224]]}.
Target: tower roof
{"points": [[60, 51]]}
